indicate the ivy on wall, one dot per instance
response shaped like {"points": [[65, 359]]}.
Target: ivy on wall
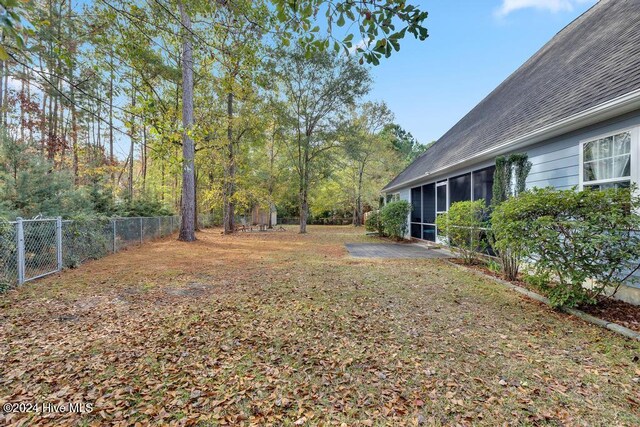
{"points": [[510, 176]]}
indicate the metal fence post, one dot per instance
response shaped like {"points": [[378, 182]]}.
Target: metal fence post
{"points": [[113, 227], [159, 226], [20, 252], [141, 230], [59, 241]]}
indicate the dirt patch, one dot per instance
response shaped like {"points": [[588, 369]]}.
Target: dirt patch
{"points": [[190, 290]]}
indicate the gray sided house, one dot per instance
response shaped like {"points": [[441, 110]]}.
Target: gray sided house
{"points": [[573, 107]]}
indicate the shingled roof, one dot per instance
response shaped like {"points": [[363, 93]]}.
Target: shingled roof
{"points": [[594, 59]]}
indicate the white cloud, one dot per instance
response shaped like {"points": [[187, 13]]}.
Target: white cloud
{"points": [[553, 6], [362, 44]]}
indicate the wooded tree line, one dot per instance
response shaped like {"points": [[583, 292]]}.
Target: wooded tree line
{"points": [[127, 107]]}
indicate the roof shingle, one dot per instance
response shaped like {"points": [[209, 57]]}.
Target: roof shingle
{"points": [[594, 59]]}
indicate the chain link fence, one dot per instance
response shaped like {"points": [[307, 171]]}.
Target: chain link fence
{"points": [[33, 248]]}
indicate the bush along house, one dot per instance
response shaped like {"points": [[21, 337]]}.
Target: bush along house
{"points": [[573, 108]]}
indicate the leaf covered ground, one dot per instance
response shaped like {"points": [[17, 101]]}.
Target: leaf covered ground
{"points": [[284, 329]]}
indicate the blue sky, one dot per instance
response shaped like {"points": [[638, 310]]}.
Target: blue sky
{"points": [[473, 46]]}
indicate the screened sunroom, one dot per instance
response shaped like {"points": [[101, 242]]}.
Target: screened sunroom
{"points": [[431, 199]]}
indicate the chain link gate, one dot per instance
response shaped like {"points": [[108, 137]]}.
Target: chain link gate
{"points": [[39, 248]]}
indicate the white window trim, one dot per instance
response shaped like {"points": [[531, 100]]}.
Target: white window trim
{"points": [[422, 223], [446, 192], [444, 184], [635, 157]]}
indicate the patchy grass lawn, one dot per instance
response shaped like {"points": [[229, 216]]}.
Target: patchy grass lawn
{"points": [[283, 329]]}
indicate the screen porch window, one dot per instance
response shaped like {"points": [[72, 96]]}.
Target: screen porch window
{"points": [[429, 200], [416, 204], [416, 212], [606, 162], [460, 188], [483, 184], [423, 212], [441, 197]]}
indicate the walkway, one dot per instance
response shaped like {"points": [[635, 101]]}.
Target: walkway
{"points": [[394, 251]]}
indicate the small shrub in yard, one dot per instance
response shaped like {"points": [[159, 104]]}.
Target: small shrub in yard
{"points": [[463, 226], [373, 223], [84, 239], [494, 266], [572, 236], [541, 280], [394, 218]]}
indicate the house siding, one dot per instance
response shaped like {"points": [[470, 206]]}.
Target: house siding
{"points": [[405, 194], [555, 163]]}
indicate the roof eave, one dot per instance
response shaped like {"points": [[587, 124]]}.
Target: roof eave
{"points": [[607, 110]]}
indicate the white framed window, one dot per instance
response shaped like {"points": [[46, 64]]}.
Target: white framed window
{"points": [[393, 197], [442, 197], [609, 160]]}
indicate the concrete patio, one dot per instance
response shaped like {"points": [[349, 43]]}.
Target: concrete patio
{"points": [[395, 251]]}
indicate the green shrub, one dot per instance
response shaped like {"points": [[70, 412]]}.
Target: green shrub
{"points": [[541, 280], [30, 185], [394, 218], [494, 266], [572, 236], [463, 226], [84, 239], [143, 207], [509, 180], [373, 223], [510, 248]]}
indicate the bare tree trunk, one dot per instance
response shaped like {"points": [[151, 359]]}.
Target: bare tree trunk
{"points": [[22, 101], [144, 158], [303, 171], [5, 95], [74, 140], [74, 129], [187, 208], [28, 78], [64, 127], [2, 86], [195, 198], [358, 208], [58, 84], [111, 158], [74, 119], [99, 130], [304, 206], [271, 186], [229, 186], [131, 149], [43, 124], [304, 197], [162, 180], [53, 133]]}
